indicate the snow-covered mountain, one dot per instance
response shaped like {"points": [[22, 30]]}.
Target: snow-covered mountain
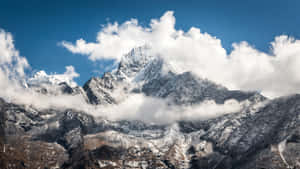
{"points": [[263, 134], [141, 73]]}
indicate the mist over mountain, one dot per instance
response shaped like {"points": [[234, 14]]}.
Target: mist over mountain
{"points": [[176, 99], [144, 114]]}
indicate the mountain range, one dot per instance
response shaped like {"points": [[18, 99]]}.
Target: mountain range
{"points": [[260, 133]]}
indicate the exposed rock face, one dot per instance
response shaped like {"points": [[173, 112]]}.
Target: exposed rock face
{"points": [[245, 139], [264, 134], [188, 89], [99, 90], [133, 62]]}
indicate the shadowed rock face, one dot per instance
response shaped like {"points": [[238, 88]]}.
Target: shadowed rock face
{"points": [[264, 134], [186, 88], [98, 89]]}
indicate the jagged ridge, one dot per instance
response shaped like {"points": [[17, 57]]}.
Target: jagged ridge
{"points": [[265, 134]]}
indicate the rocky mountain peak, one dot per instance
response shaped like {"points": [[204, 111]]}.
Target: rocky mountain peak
{"points": [[152, 76], [133, 62]]}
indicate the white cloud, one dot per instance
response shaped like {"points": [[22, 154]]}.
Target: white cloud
{"points": [[12, 66], [11, 63], [274, 74], [245, 68], [155, 110], [68, 77]]}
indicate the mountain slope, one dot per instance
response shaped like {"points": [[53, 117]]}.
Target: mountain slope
{"points": [[263, 134]]}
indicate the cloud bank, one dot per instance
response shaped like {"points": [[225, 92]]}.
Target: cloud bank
{"points": [[244, 68], [155, 110]]}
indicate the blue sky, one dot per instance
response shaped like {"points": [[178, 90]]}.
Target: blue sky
{"points": [[39, 26]]}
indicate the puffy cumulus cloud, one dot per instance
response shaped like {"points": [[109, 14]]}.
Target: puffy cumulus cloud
{"points": [[11, 63], [194, 50], [12, 66], [112, 42], [274, 73], [245, 68]]}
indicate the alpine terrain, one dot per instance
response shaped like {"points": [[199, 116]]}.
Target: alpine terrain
{"points": [[262, 133]]}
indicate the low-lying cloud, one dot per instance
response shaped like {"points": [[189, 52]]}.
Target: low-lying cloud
{"points": [[244, 68], [155, 110]]}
